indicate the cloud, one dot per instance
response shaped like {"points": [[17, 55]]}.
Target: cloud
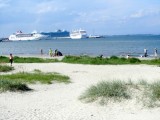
{"points": [[145, 13], [4, 3], [46, 7]]}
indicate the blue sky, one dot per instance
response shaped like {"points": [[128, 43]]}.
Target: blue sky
{"points": [[107, 17]]}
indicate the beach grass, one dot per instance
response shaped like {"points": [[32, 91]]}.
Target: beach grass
{"points": [[9, 85], [115, 90], [34, 77], [113, 60], [27, 60], [148, 94], [100, 61], [155, 89], [19, 81], [6, 68]]}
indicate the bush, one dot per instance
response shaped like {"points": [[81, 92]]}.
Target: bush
{"points": [[114, 57]]}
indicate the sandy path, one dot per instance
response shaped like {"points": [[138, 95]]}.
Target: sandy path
{"points": [[60, 101]]}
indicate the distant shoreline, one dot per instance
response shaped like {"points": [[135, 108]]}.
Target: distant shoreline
{"points": [[46, 56]]}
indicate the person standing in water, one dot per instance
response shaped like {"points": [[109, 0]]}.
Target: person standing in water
{"points": [[41, 51], [145, 52], [155, 52], [11, 59]]}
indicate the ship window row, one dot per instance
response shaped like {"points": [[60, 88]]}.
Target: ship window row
{"points": [[24, 35]]}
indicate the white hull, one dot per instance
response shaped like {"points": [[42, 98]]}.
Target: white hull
{"points": [[25, 37], [78, 34]]}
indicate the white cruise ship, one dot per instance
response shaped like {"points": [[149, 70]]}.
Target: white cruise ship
{"points": [[19, 36], [78, 34]]}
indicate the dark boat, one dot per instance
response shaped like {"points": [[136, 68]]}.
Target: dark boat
{"points": [[4, 39]]}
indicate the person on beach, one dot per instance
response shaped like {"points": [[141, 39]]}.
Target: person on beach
{"points": [[145, 52], [58, 53], [50, 52], [55, 52], [128, 56], [11, 59], [155, 52], [41, 51]]}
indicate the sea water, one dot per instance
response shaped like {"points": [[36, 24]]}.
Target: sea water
{"points": [[118, 45]]}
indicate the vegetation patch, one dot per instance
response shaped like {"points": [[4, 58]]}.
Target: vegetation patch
{"points": [[12, 86], [115, 90], [18, 81], [146, 94], [27, 60], [36, 77], [100, 60], [5, 68], [155, 89]]}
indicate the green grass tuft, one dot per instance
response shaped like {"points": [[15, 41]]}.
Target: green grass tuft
{"points": [[115, 90], [17, 59], [5, 68], [33, 60], [36, 77], [134, 60], [13, 86], [99, 61], [155, 89]]}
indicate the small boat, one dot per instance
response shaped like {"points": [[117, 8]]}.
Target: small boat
{"points": [[95, 36], [78, 34], [4, 39], [19, 36]]}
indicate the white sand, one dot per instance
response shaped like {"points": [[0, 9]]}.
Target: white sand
{"points": [[59, 101]]}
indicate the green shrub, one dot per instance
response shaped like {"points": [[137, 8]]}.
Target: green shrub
{"points": [[114, 57]]}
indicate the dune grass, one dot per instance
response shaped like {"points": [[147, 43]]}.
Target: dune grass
{"points": [[114, 60], [27, 60], [146, 93], [19, 81], [115, 90], [155, 90], [5, 68], [36, 77], [99, 61], [9, 85]]}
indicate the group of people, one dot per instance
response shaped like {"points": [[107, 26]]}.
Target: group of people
{"points": [[146, 52], [51, 53], [56, 53]]}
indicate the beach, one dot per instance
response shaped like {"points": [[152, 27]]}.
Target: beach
{"points": [[59, 101]]}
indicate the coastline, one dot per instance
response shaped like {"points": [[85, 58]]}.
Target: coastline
{"points": [[60, 101], [46, 56]]}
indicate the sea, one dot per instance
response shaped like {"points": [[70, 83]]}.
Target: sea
{"points": [[118, 45]]}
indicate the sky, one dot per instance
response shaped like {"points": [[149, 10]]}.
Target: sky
{"points": [[102, 17]]}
